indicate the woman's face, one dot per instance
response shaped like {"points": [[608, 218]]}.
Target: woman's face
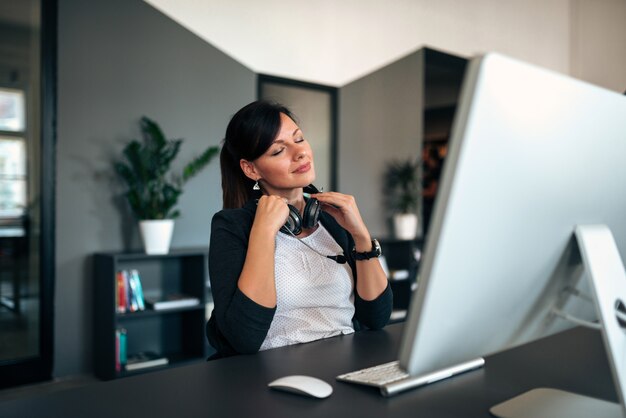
{"points": [[287, 164]]}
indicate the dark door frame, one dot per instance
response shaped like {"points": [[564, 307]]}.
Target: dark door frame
{"points": [[39, 368]]}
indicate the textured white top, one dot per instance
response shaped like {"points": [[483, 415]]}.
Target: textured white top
{"points": [[315, 296]]}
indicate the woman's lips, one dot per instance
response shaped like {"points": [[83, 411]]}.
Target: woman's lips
{"points": [[303, 168]]}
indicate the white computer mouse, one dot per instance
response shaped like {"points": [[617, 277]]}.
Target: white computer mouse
{"points": [[303, 385]]}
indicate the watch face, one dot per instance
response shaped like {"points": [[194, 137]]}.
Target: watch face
{"points": [[378, 250]]}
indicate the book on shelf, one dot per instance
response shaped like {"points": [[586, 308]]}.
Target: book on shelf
{"points": [[120, 348], [120, 294], [137, 290], [129, 295], [144, 360], [171, 301], [118, 364]]}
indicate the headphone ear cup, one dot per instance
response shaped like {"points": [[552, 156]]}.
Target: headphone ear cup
{"points": [[293, 224], [311, 213]]}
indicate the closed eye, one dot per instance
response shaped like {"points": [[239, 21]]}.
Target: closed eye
{"points": [[278, 151]]}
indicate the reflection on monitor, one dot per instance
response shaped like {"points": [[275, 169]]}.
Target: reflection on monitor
{"points": [[533, 154]]}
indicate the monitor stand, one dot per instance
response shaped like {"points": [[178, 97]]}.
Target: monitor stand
{"points": [[548, 402], [605, 270]]}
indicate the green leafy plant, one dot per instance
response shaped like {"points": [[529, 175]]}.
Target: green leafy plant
{"points": [[153, 191], [402, 185]]}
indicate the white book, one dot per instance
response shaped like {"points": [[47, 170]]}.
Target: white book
{"points": [[144, 360], [172, 301]]}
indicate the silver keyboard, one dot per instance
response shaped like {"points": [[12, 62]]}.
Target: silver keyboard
{"points": [[378, 375], [391, 379]]}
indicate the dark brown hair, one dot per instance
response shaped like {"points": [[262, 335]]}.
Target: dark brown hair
{"points": [[249, 134]]}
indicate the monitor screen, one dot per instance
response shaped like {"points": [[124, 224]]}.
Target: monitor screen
{"points": [[533, 154]]}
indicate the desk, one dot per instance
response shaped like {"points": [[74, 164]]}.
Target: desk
{"points": [[236, 386]]}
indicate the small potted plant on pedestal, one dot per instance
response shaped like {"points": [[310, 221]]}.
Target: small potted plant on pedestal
{"points": [[153, 191], [402, 193]]}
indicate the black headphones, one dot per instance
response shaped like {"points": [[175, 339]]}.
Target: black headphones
{"points": [[309, 219], [310, 215]]}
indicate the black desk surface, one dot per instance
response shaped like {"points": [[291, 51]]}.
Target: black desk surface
{"points": [[237, 387]]}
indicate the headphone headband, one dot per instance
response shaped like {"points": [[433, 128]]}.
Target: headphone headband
{"points": [[310, 189], [310, 214]]}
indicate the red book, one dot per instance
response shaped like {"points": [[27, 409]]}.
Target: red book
{"points": [[118, 365], [121, 292]]}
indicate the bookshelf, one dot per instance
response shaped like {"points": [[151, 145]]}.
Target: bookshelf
{"points": [[176, 334]]}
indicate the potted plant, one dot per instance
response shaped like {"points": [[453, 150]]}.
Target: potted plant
{"points": [[153, 191], [402, 184]]}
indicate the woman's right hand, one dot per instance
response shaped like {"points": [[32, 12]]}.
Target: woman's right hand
{"points": [[271, 213]]}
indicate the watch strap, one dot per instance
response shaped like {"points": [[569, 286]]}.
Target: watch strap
{"points": [[366, 255]]}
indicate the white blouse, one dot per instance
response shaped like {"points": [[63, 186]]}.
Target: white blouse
{"points": [[314, 295]]}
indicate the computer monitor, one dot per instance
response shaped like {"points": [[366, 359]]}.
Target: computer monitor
{"points": [[533, 154]]}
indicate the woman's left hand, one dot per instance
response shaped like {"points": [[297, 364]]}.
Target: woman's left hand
{"points": [[343, 208]]}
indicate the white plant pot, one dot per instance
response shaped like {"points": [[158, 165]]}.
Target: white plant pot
{"points": [[156, 235], [405, 225]]}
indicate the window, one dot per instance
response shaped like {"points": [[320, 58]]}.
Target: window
{"points": [[12, 110], [12, 177], [12, 154]]}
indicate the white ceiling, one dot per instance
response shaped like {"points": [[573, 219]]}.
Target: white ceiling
{"points": [[334, 42], [326, 41]]}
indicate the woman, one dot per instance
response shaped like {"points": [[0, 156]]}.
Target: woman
{"points": [[271, 288]]}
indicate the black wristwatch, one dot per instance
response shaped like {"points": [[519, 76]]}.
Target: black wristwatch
{"points": [[376, 251]]}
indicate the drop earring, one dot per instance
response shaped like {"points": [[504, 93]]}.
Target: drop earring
{"points": [[256, 186]]}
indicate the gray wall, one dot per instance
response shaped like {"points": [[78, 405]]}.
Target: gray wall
{"points": [[380, 119], [119, 60]]}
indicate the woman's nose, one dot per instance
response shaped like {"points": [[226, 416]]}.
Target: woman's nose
{"points": [[300, 153]]}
